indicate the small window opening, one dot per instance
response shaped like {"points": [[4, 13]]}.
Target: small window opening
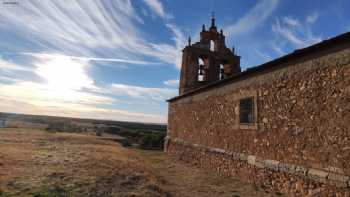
{"points": [[200, 69], [212, 45], [222, 72], [246, 110]]}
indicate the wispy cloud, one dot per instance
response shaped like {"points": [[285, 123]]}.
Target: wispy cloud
{"points": [[76, 110], [286, 31], [43, 95], [155, 94], [255, 17], [72, 93], [312, 18], [180, 42], [47, 55], [278, 49], [108, 30], [291, 21], [157, 7], [297, 33], [66, 39], [7, 65], [172, 82], [57, 85], [263, 55]]}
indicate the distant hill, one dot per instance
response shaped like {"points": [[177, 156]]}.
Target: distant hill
{"points": [[143, 135]]}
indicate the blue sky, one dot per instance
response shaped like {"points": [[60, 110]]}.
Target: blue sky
{"points": [[119, 59]]}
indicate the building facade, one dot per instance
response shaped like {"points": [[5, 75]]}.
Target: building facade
{"points": [[284, 124]]}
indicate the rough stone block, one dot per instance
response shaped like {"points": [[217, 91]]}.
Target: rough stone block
{"points": [[335, 170], [288, 168], [301, 170], [271, 164], [339, 180], [259, 162], [251, 159], [235, 156], [242, 157], [318, 175], [217, 150], [239, 156]]}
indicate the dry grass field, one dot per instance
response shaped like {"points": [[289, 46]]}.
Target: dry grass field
{"points": [[41, 164]]}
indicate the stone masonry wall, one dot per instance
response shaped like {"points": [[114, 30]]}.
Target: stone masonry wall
{"points": [[269, 174], [303, 116]]}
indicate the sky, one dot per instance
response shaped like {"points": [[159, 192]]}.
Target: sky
{"points": [[120, 59]]}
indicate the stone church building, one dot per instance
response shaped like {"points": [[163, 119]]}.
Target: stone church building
{"points": [[283, 125]]}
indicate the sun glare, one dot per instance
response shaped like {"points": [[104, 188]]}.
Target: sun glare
{"points": [[64, 76]]}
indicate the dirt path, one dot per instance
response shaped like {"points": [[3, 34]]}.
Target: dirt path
{"points": [[41, 164]]}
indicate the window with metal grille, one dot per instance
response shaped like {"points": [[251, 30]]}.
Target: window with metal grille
{"points": [[246, 110]]}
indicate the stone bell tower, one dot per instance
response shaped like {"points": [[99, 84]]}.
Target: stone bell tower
{"points": [[208, 60]]}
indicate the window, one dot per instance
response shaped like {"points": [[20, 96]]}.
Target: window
{"points": [[222, 72], [212, 45], [246, 110], [200, 70]]}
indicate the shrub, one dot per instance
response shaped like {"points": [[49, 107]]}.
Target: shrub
{"points": [[152, 141], [125, 143]]}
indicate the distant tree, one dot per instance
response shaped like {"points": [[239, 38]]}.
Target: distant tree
{"points": [[152, 141]]}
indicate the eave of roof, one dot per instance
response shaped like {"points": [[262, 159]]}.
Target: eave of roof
{"points": [[341, 40]]}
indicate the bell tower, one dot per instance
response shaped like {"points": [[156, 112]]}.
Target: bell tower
{"points": [[208, 60]]}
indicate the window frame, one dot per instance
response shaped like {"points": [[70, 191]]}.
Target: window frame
{"points": [[254, 124], [248, 110]]}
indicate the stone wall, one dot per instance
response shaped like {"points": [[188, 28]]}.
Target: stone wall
{"points": [[268, 174], [303, 116]]}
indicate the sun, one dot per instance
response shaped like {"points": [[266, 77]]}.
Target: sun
{"points": [[64, 75]]}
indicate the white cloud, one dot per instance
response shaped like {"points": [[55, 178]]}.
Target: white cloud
{"points": [[172, 82], [287, 32], [299, 35], [108, 30], [155, 94], [170, 53], [180, 42], [35, 98], [68, 37], [312, 18], [263, 55], [35, 93], [47, 55], [291, 21], [64, 80], [6, 79], [64, 93], [278, 49], [156, 6], [255, 17], [7, 65], [77, 110]]}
